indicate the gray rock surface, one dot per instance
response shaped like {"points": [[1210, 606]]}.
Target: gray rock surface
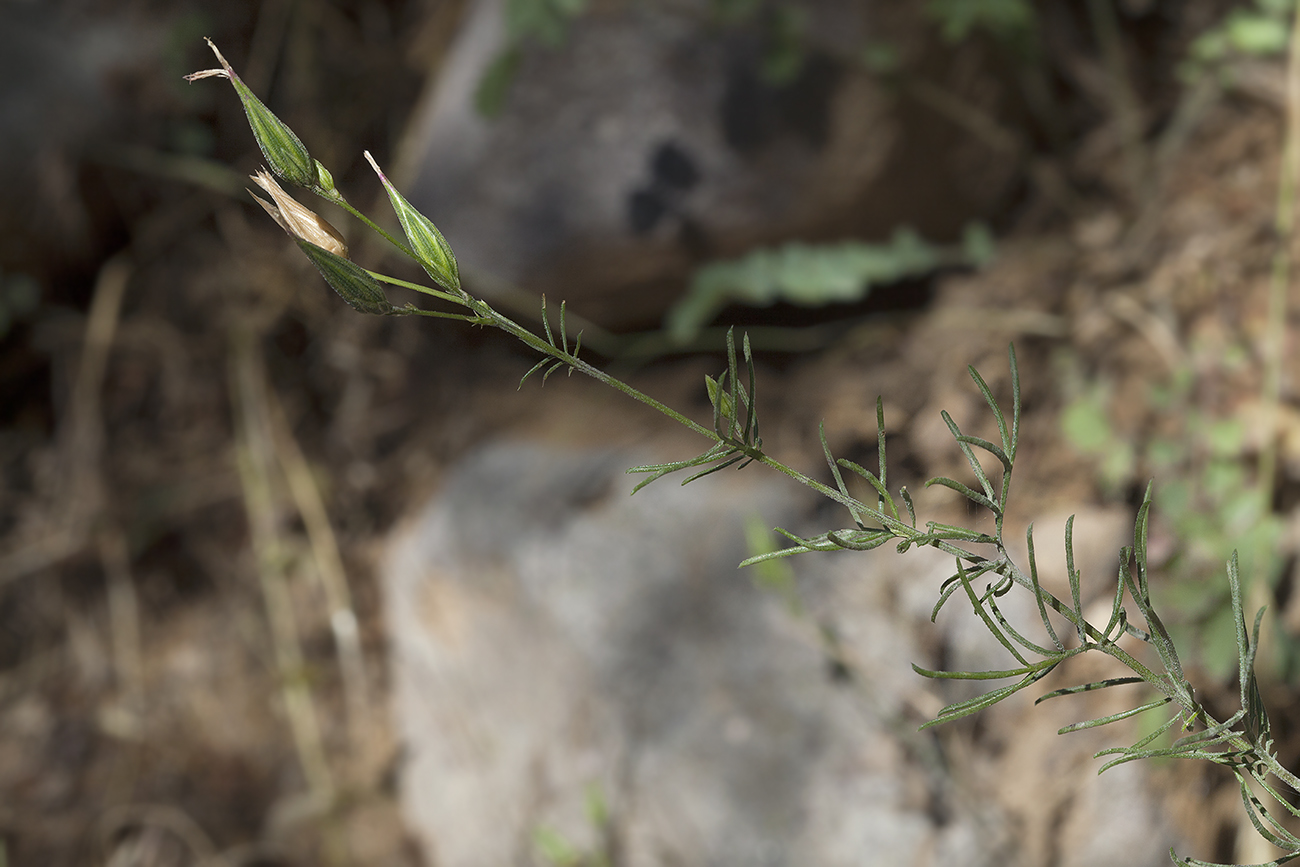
{"points": [[651, 141], [556, 641]]}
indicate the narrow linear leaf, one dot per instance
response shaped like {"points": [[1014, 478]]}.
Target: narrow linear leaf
{"points": [[546, 322], [881, 464], [711, 470], [554, 367], [1115, 717], [1087, 687], [1073, 574], [564, 332], [883, 498], [1038, 591], [984, 615], [907, 501], [1014, 633], [961, 709], [536, 367], [1118, 617], [868, 541], [1151, 738], [835, 471], [973, 675], [1258, 814], [774, 555], [750, 434], [734, 384], [975, 465], [968, 493], [672, 466], [997, 414], [1015, 402], [981, 443], [937, 530]]}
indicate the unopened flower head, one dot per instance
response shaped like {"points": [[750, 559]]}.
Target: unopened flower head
{"points": [[429, 246], [285, 153], [297, 220], [353, 283]]}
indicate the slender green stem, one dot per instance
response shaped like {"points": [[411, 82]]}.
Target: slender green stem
{"points": [[405, 284], [898, 528], [337, 198], [439, 314], [486, 312]]}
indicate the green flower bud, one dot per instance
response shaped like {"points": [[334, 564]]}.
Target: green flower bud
{"points": [[324, 179], [350, 280], [431, 249], [284, 151]]}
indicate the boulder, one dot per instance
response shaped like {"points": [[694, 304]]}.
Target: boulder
{"points": [[656, 137]]}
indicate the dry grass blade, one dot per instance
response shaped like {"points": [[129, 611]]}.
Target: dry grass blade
{"points": [[329, 567], [79, 497], [124, 620], [256, 456], [153, 824]]}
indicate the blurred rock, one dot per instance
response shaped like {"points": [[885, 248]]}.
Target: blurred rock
{"points": [[556, 641], [656, 138], [63, 71], [553, 637]]}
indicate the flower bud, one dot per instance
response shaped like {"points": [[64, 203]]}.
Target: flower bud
{"points": [[429, 246], [324, 179], [297, 220], [352, 282], [284, 151]]}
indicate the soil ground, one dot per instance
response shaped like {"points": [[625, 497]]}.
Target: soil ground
{"points": [[197, 446]]}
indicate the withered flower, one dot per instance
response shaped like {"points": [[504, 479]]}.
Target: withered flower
{"points": [[297, 220]]}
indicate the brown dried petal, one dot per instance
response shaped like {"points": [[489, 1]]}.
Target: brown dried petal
{"points": [[297, 220]]}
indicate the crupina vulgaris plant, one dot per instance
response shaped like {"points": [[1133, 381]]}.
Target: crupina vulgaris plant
{"points": [[984, 570]]}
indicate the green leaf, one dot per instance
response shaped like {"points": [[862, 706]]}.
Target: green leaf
{"points": [[1257, 35], [808, 275], [1115, 717]]}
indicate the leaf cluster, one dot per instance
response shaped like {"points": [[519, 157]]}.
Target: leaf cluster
{"points": [[738, 441], [1243, 742]]}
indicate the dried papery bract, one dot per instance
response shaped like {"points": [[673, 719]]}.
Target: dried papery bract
{"points": [[297, 220], [285, 153]]}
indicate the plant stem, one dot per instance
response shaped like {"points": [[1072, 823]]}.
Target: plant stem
{"points": [[1280, 280], [337, 198]]}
